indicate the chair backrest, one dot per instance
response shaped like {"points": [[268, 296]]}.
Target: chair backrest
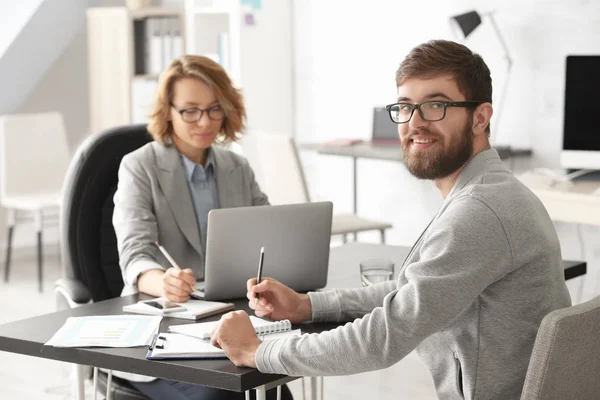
{"points": [[88, 241], [276, 162], [565, 361], [34, 154]]}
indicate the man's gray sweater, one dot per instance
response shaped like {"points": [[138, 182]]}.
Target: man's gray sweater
{"points": [[470, 296]]}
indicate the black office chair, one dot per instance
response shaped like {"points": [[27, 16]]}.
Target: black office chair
{"points": [[88, 242]]}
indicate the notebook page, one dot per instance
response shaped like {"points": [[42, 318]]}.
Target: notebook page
{"points": [[204, 329]]}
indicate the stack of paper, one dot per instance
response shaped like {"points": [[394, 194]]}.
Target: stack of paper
{"points": [[106, 331], [175, 345], [178, 346]]}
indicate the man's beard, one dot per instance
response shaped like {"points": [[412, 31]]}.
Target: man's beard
{"points": [[439, 162]]}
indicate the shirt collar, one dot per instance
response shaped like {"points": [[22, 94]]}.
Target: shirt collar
{"points": [[191, 166]]}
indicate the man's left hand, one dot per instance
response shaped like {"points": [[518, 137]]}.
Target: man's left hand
{"points": [[235, 335]]}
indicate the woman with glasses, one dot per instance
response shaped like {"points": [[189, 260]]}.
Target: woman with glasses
{"points": [[167, 187]]}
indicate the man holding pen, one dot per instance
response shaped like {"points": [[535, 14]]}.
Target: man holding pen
{"points": [[477, 283]]}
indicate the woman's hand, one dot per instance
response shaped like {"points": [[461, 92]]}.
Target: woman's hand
{"points": [[177, 284]]}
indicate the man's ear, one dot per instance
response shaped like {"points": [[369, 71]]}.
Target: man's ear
{"points": [[481, 118]]}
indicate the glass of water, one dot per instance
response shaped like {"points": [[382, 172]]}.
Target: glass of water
{"points": [[376, 270]]}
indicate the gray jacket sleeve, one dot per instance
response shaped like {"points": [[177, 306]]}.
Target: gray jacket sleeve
{"points": [[464, 251], [134, 221], [348, 304]]}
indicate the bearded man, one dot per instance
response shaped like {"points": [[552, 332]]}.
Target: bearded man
{"points": [[475, 286]]}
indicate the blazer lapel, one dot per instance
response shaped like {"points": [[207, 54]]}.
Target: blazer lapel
{"points": [[229, 182], [174, 184]]}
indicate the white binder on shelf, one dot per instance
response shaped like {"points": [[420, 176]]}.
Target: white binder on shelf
{"points": [[177, 44], [167, 25], [155, 44]]}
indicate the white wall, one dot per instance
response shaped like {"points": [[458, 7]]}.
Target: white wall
{"points": [[64, 88], [266, 77], [346, 54], [13, 16], [267, 67], [346, 57], [265, 70]]}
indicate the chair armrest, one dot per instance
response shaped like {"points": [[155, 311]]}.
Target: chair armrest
{"points": [[71, 293]]}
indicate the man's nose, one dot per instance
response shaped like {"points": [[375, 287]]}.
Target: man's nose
{"points": [[417, 121]]}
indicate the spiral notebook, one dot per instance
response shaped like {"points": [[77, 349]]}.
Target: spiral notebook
{"points": [[204, 329]]}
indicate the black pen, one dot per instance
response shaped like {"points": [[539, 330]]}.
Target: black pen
{"points": [[260, 267]]}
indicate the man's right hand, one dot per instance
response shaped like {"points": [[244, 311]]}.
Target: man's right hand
{"points": [[178, 284], [277, 301]]}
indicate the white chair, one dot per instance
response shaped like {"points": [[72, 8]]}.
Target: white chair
{"points": [[276, 161], [34, 157]]}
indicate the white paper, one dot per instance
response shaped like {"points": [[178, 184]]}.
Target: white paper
{"points": [[185, 346], [179, 345], [106, 331]]}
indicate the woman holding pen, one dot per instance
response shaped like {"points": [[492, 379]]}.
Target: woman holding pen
{"points": [[167, 187]]}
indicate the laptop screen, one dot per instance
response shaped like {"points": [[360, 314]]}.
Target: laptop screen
{"points": [[383, 127]]}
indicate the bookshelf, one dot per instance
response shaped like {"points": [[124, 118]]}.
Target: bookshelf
{"points": [[127, 50]]}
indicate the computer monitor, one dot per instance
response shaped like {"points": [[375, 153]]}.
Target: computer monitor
{"points": [[383, 127], [581, 129]]}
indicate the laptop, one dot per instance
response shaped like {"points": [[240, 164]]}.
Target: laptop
{"points": [[385, 132], [296, 239]]}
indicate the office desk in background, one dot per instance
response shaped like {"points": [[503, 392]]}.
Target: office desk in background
{"points": [[575, 201], [347, 258], [28, 336], [389, 152]]}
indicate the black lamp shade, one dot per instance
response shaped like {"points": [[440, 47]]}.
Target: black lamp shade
{"points": [[468, 22]]}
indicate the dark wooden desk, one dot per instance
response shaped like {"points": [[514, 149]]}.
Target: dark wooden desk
{"points": [[28, 336]]}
